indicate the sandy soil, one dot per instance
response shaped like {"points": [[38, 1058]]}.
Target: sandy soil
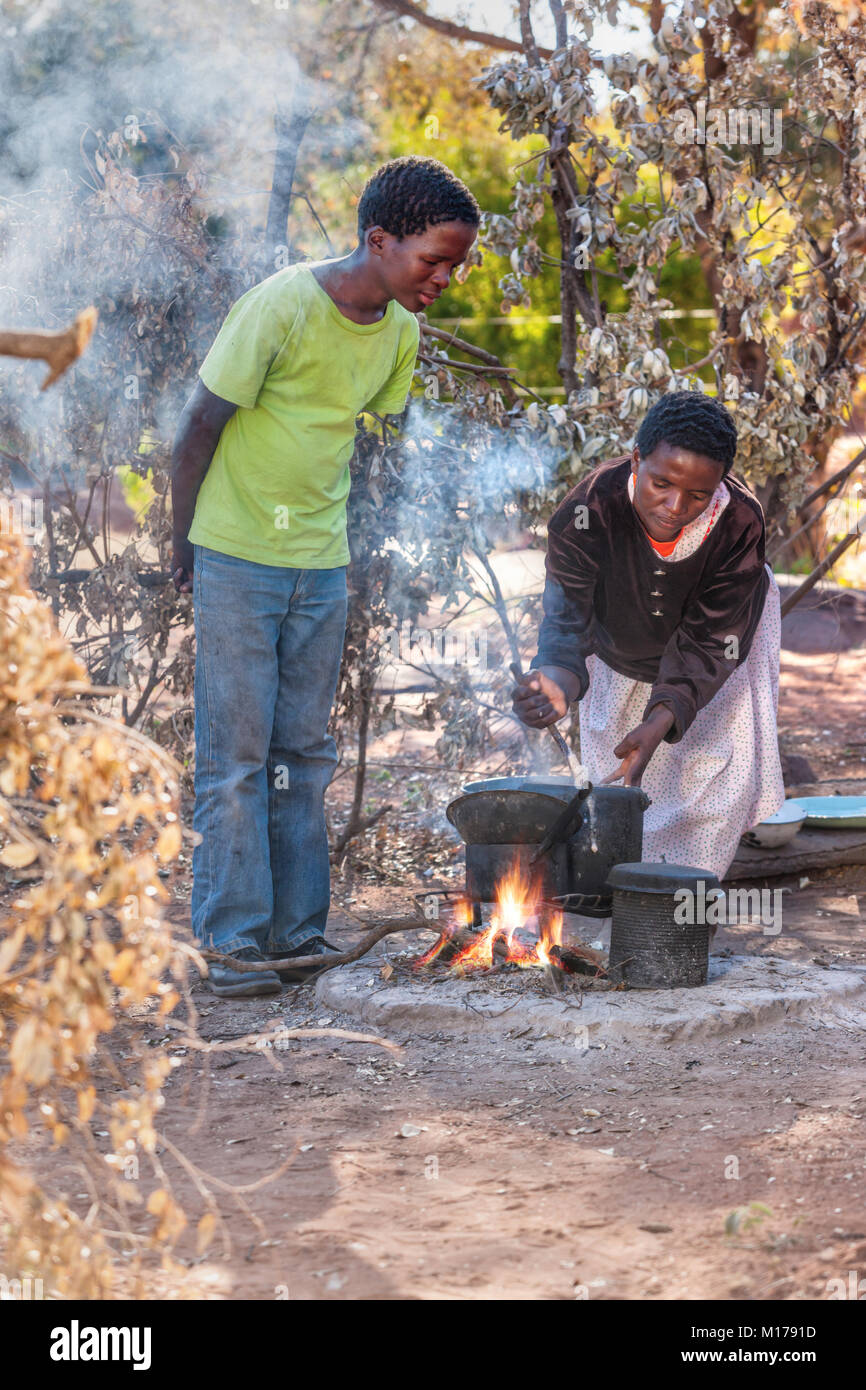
{"points": [[534, 1171]]}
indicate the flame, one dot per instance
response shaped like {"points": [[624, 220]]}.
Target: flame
{"points": [[551, 935], [517, 903], [462, 918], [514, 904]]}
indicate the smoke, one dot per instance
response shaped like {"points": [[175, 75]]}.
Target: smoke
{"points": [[213, 75], [460, 495], [193, 89], [464, 475]]}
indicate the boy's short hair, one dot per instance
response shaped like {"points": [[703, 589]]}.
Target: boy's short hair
{"points": [[690, 420], [409, 194]]}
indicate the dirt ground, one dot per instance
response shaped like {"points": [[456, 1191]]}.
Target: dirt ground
{"points": [[529, 1170], [519, 1167]]}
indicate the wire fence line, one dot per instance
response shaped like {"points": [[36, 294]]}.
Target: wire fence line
{"points": [[514, 319]]}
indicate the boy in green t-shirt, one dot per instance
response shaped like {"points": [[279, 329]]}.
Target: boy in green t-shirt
{"points": [[260, 480]]}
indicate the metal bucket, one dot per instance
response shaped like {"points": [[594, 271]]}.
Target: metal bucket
{"points": [[653, 945]]}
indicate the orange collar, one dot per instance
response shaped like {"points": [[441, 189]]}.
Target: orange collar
{"points": [[663, 547]]}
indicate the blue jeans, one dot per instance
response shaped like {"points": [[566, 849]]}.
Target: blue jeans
{"points": [[268, 647]]}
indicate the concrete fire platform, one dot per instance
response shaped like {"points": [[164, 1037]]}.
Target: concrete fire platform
{"points": [[743, 992]]}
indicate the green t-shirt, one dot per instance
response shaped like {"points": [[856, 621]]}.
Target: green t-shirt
{"points": [[300, 372]]}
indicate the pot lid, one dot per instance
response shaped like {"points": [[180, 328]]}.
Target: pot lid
{"points": [[660, 878], [551, 785]]}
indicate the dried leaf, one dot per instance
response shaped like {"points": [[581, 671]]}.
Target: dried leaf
{"points": [[122, 966], [158, 1201], [18, 856], [169, 842], [86, 1103]]}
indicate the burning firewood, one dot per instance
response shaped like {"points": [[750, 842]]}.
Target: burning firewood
{"points": [[578, 960], [466, 949], [520, 933], [448, 947], [59, 350]]}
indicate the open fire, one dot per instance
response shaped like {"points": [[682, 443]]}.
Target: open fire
{"points": [[521, 932]]}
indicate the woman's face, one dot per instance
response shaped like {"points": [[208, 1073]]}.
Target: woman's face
{"points": [[672, 487]]}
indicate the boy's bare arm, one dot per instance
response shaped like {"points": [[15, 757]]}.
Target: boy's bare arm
{"points": [[201, 423]]}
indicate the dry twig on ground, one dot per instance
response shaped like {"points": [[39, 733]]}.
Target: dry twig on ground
{"points": [[323, 963]]}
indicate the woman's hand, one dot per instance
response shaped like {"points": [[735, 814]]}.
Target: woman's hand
{"points": [[542, 696], [637, 748]]}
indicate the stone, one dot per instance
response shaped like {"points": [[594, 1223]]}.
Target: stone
{"points": [[742, 993]]}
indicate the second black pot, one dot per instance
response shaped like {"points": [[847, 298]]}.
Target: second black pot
{"points": [[613, 822]]}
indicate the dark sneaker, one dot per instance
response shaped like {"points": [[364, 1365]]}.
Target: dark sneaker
{"points": [[242, 984], [317, 947]]}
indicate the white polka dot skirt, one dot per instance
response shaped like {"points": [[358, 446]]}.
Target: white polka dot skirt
{"points": [[723, 777]]}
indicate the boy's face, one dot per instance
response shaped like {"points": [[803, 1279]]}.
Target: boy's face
{"points": [[672, 488], [416, 269]]}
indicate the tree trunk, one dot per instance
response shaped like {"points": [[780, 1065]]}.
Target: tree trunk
{"points": [[290, 133]]}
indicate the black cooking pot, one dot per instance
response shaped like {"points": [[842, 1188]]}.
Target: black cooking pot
{"points": [[503, 817], [613, 822], [552, 785], [496, 824]]}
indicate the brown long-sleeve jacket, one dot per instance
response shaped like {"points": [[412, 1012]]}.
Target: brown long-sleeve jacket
{"points": [[681, 626]]}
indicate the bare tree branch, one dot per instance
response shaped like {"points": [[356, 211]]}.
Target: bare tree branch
{"points": [[840, 477], [560, 22], [322, 963], [290, 133], [530, 47], [820, 570], [59, 350], [458, 31]]}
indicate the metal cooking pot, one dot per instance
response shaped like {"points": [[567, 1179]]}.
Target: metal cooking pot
{"points": [[493, 822], [552, 785], [503, 817], [613, 822]]}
